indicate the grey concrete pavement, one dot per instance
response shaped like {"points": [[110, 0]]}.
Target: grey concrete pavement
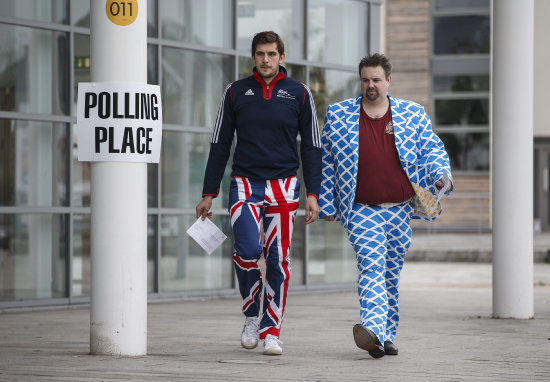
{"points": [[446, 334], [467, 247]]}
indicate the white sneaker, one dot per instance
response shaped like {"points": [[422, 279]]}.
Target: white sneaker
{"points": [[272, 345], [249, 336]]}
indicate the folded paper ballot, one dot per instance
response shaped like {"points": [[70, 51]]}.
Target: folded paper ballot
{"points": [[206, 234]]}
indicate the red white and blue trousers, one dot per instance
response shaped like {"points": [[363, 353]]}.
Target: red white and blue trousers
{"points": [[269, 206]]}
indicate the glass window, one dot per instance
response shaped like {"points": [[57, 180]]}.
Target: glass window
{"points": [[33, 166], [80, 177], [50, 11], [298, 249], [81, 282], [462, 4], [151, 253], [33, 254], [184, 157], [330, 86], [462, 111], [152, 17], [202, 22], [462, 34], [285, 17], [461, 83], [184, 265], [330, 255], [192, 86], [81, 62], [80, 13], [337, 31], [467, 151], [34, 73]]}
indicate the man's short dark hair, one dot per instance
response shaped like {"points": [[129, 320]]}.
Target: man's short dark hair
{"points": [[374, 60], [268, 37]]}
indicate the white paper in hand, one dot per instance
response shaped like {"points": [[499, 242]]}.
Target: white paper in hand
{"points": [[206, 234]]}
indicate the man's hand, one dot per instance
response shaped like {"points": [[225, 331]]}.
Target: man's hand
{"points": [[439, 184], [330, 218], [204, 206], [312, 209]]}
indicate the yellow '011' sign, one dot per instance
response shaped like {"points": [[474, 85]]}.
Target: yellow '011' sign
{"points": [[122, 12]]}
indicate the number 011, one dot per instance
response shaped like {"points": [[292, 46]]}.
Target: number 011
{"points": [[122, 12]]}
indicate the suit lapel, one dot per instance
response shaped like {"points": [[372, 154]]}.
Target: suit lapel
{"points": [[404, 135]]}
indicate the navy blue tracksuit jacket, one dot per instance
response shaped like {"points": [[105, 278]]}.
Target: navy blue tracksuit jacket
{"points": [[266, 121]]}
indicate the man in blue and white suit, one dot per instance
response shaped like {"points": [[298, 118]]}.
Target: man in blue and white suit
{"points": [[382, 166]]}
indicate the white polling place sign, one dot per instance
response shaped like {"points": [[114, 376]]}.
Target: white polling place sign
{"points": [[119, 122]]}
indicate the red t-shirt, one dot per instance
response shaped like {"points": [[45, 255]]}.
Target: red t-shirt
{"points": [[380, 177]]}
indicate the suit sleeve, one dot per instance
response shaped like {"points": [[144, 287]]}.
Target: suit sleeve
{"points": [[310, 147], [220, 145], [327, 200], [432, 151]]}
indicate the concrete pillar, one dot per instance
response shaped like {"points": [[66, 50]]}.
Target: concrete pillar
{"points": [[512, 164], [118, 199]]}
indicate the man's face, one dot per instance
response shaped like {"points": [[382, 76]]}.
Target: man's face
{"points": [[374, 85], [267, 60]]}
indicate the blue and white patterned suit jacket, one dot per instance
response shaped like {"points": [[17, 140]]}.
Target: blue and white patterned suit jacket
{"points": [[421, 152]]}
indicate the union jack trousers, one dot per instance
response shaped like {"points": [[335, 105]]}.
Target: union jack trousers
{"points": [[273, 205]]}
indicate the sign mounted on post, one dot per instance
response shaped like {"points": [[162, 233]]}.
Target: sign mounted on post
{"points": [[119, 122], [122, 12]]}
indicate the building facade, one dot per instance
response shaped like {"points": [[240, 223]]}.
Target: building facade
{"points": [[195, 48], [441, 53]]}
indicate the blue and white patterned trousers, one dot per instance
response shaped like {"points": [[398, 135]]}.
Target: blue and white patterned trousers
{"points": [[380, 237]]}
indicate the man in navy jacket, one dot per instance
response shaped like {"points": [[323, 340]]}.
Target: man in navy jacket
{"points": [[265, 112]]}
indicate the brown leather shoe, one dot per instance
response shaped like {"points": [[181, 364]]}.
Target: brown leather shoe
{"points": [[365, 339], [390, 348]]}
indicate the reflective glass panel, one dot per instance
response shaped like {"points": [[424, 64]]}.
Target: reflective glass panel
{"points": [[81, 63], [33, 254], [462, 111], [34, 72], [330, 86], [337, 31], [33, 163], [184, 157], [80, 177], [81, 282], [462, 4], [462, 34], [152, 66], [330, 255], [467, 151], [184, 265], [202, 22], [298, 250], [151, 252], [80, 13], [463, 83], [192, 86], [285, 17], [50, 11], [152, 24]]}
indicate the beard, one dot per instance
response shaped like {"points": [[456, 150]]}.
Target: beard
{"points": [[372, 96]]}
